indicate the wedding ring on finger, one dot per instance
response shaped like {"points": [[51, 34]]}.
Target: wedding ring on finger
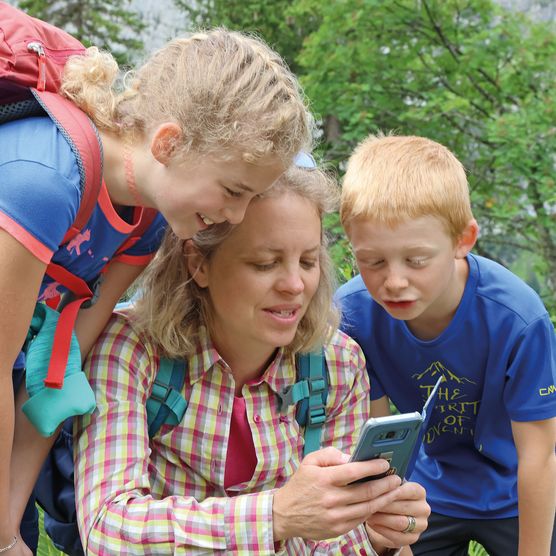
{"points": [[411, 522]]}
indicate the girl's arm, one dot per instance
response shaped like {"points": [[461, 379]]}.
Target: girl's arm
{"points": [[90, 322], [380, 407], [30, 448], [20, 278]]}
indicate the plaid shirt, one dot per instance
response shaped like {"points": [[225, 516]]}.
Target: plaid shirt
{"points": [[166, 495]]}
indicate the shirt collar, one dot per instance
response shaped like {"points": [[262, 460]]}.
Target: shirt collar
{"points": [[280, 372]]}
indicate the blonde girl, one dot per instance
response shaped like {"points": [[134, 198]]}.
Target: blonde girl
{"points": [[208, 122]]}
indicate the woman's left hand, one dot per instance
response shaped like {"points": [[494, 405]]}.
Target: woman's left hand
{"points": [[393, 526]]}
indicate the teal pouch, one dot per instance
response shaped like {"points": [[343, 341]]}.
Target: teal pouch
{"points": [[47, 408]]}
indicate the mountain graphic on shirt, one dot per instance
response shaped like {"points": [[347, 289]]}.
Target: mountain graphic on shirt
{"points": [[437, 369]]}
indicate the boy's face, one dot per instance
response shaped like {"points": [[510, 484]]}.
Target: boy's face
{"points": [[414, 270]]}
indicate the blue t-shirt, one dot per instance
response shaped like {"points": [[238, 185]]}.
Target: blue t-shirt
{"points": [[498, 356], [39, 199]]}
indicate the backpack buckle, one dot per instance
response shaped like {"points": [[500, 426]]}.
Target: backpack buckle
{"points": [[160, 392], [317, 415], [290, 395], [317, 384], [317, 411]]}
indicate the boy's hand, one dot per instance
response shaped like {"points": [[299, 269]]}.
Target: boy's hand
{"points": [[386, 528], [318, 502]]}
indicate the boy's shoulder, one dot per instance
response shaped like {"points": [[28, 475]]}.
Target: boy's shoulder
{"points": [[499, 287], [359, 312], [354, 288]]}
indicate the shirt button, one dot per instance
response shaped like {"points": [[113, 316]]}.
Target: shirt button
{"points": [[284, 419], [219, 409], [257, 418]]}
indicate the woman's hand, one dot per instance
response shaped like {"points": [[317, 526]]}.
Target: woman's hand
{"points": [[386, 527], [318, 502]]}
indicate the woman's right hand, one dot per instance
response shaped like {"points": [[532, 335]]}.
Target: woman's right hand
{"points": [[318, 501]]}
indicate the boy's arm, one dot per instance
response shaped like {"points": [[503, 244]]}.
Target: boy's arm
{"points": [[380, 407], [536, 478]]}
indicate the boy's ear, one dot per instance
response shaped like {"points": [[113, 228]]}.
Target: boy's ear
{"points": [[196, 264], [164, 141], [467, 239]]}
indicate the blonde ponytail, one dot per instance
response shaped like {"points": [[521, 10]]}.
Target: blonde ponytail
{"points": [[89, 82]]}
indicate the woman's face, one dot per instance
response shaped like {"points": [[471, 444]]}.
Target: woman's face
{"points": [[262, 277]]}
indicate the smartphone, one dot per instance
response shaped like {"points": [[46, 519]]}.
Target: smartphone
{"points": [[392, 438], [395, 438]]}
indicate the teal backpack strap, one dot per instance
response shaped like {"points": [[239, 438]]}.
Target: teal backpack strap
{"points": [[310, 393], [166, 405]]}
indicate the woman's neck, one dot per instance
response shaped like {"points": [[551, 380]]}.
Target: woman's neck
{"points": [[245, 364]]}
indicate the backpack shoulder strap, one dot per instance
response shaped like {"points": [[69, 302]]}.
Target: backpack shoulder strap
{"points": [[166, 405], [309, 393], [311, 412], [34, 54], [147, 217], [85, 143]]}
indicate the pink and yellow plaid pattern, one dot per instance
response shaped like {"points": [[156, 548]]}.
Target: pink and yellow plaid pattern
{"points": [[166, 495]]}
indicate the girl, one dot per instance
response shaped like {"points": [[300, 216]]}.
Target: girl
{"points": [[204, 125], [238, 304]]}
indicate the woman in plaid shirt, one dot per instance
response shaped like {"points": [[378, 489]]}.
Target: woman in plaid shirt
{"points": [[237, 303]]}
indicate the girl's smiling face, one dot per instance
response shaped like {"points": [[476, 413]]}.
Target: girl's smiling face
{"points": [[191, 195]]}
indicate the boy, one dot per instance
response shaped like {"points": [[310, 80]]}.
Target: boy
{"points": [[423, 306]]}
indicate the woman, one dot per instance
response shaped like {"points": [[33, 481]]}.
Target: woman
{"points": [[238, 304]]}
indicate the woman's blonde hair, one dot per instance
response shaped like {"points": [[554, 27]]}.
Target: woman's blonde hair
{"points": [[230, 93], [172, 308], [394, 178]]}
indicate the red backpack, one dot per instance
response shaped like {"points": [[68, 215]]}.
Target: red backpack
{"points": [[32, 58]]}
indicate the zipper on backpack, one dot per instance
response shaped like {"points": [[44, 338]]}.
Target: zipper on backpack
{"points": [[38, 49]]}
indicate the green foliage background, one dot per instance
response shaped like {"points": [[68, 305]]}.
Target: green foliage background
{"points": [[473, 75], [108, 24], [470, 74]]}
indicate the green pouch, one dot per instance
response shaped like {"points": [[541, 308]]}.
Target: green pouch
{"points": [[46, 407]]}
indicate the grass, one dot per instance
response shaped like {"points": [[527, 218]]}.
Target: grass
{"points": [[46, 548], [477, 550]]}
